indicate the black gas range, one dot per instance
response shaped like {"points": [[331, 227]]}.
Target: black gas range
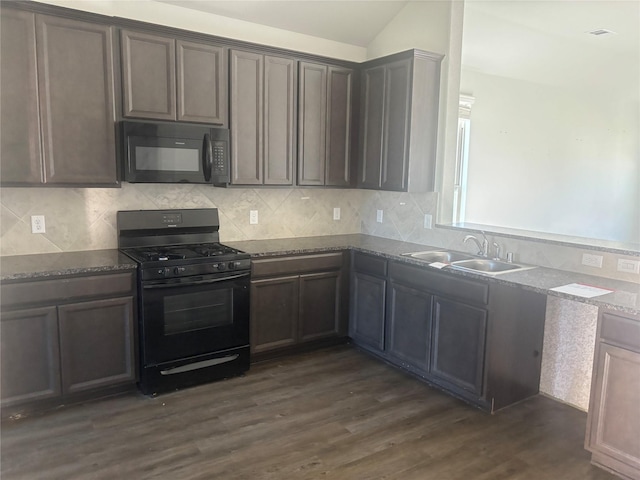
{"points": [[193, 305]]}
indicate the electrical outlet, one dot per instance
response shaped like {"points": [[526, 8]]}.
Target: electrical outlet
{"points": [[253, 217], [591, 260], [379, 216], [428, 221], [628, 266], [37, 224], [336, 213]]}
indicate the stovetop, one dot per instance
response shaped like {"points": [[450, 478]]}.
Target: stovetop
{"points": [[203, 251]]}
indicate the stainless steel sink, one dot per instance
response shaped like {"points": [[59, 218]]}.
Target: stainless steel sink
{"points": [[489, 267], [468, 263], [442, 256]]}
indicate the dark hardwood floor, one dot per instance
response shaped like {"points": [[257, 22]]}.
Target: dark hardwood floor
{"points": [[334, 413]]}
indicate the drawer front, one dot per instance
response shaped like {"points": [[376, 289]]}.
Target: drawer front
{"points": [[297, 264], [61, 289], [444, 284], [370, 264], [620, 329]]}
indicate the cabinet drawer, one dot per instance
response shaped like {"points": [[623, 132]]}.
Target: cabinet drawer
{"points": [[370, 264], [298, 264], [426, 279], [620, 330], [50, 291]]}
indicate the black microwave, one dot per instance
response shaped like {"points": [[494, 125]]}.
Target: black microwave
{"points": [[169, 152]]}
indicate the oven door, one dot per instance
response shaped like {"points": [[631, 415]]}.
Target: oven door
{"points": [[190, 316]]}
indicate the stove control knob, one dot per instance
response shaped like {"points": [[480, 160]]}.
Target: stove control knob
{"points": [[232, 265], [220, 266], [162, 272], [179, 270]]}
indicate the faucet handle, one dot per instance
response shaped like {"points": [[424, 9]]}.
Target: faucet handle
{"points": [[497, 247]]}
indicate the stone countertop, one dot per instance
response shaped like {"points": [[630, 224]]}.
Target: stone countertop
{"points": [[625, 296], [47, 265]]}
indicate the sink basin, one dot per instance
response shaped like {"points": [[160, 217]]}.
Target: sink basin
{"points": [[489, 267], [442, 256]]}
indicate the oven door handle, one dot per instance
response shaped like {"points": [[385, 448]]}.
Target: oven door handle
{"points": [[197, 282]]}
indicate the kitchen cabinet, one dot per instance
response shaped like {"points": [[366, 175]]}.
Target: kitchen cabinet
{"points": [[66, 339], [325, 124], [166, 78], [613, 422], [263, 106], [58, 109], [458, 347], [478, 341], [399, 122], [368, 300], [409, 326], [297, 300]]}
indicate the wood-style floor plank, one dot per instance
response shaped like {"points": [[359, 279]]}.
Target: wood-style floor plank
{"points": [[330, 414]]}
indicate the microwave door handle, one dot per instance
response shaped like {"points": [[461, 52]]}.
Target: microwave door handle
{"points": [[207, 157]]}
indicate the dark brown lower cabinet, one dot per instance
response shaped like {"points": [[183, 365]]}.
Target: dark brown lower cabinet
{"points": [[458, 346], [77, 342], [613, 425], [477, 340], [97, 344], [274, 313], [29, 355], [409, 326], [297, 300]]}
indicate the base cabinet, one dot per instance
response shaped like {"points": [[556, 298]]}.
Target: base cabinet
{"points": [[297, 300], [478, 341], [458, 346], [79, 340], [29, 355], [613, 421]]}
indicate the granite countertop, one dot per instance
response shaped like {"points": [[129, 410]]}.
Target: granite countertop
{"points": [[625, 296], [46, 265]]}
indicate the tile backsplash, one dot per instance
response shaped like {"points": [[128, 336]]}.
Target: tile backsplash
{"points": [[85, 219]]}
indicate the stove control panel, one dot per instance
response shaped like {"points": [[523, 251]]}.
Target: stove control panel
{"points": [[200, 268]]}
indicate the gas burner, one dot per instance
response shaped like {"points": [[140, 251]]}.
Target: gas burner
{"points": [[162, 254], [213, 250]]}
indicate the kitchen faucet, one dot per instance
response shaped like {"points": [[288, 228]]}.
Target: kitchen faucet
{"points": [[483, 248]]}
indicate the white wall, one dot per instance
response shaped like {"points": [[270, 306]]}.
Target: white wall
{"points": [[178, 17], [535, 150]]}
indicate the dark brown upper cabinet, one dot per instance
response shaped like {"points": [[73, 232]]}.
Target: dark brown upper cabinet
{"points": [[58, 109], [399, 119], [169, 79], [20, 143], [263, 99], [325, 125]]}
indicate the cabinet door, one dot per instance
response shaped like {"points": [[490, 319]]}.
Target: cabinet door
{"points": [[372, 127], [313, 124], [613, 416], [29, 355], [76, 86], [368, 310], [319, 305], [279, 120], [339, 102], [396, 125], [247, 111], [20, 140], [202, 83], [409, 325], [274, 313], [148, 75], [97, 346], [458, 345]]}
